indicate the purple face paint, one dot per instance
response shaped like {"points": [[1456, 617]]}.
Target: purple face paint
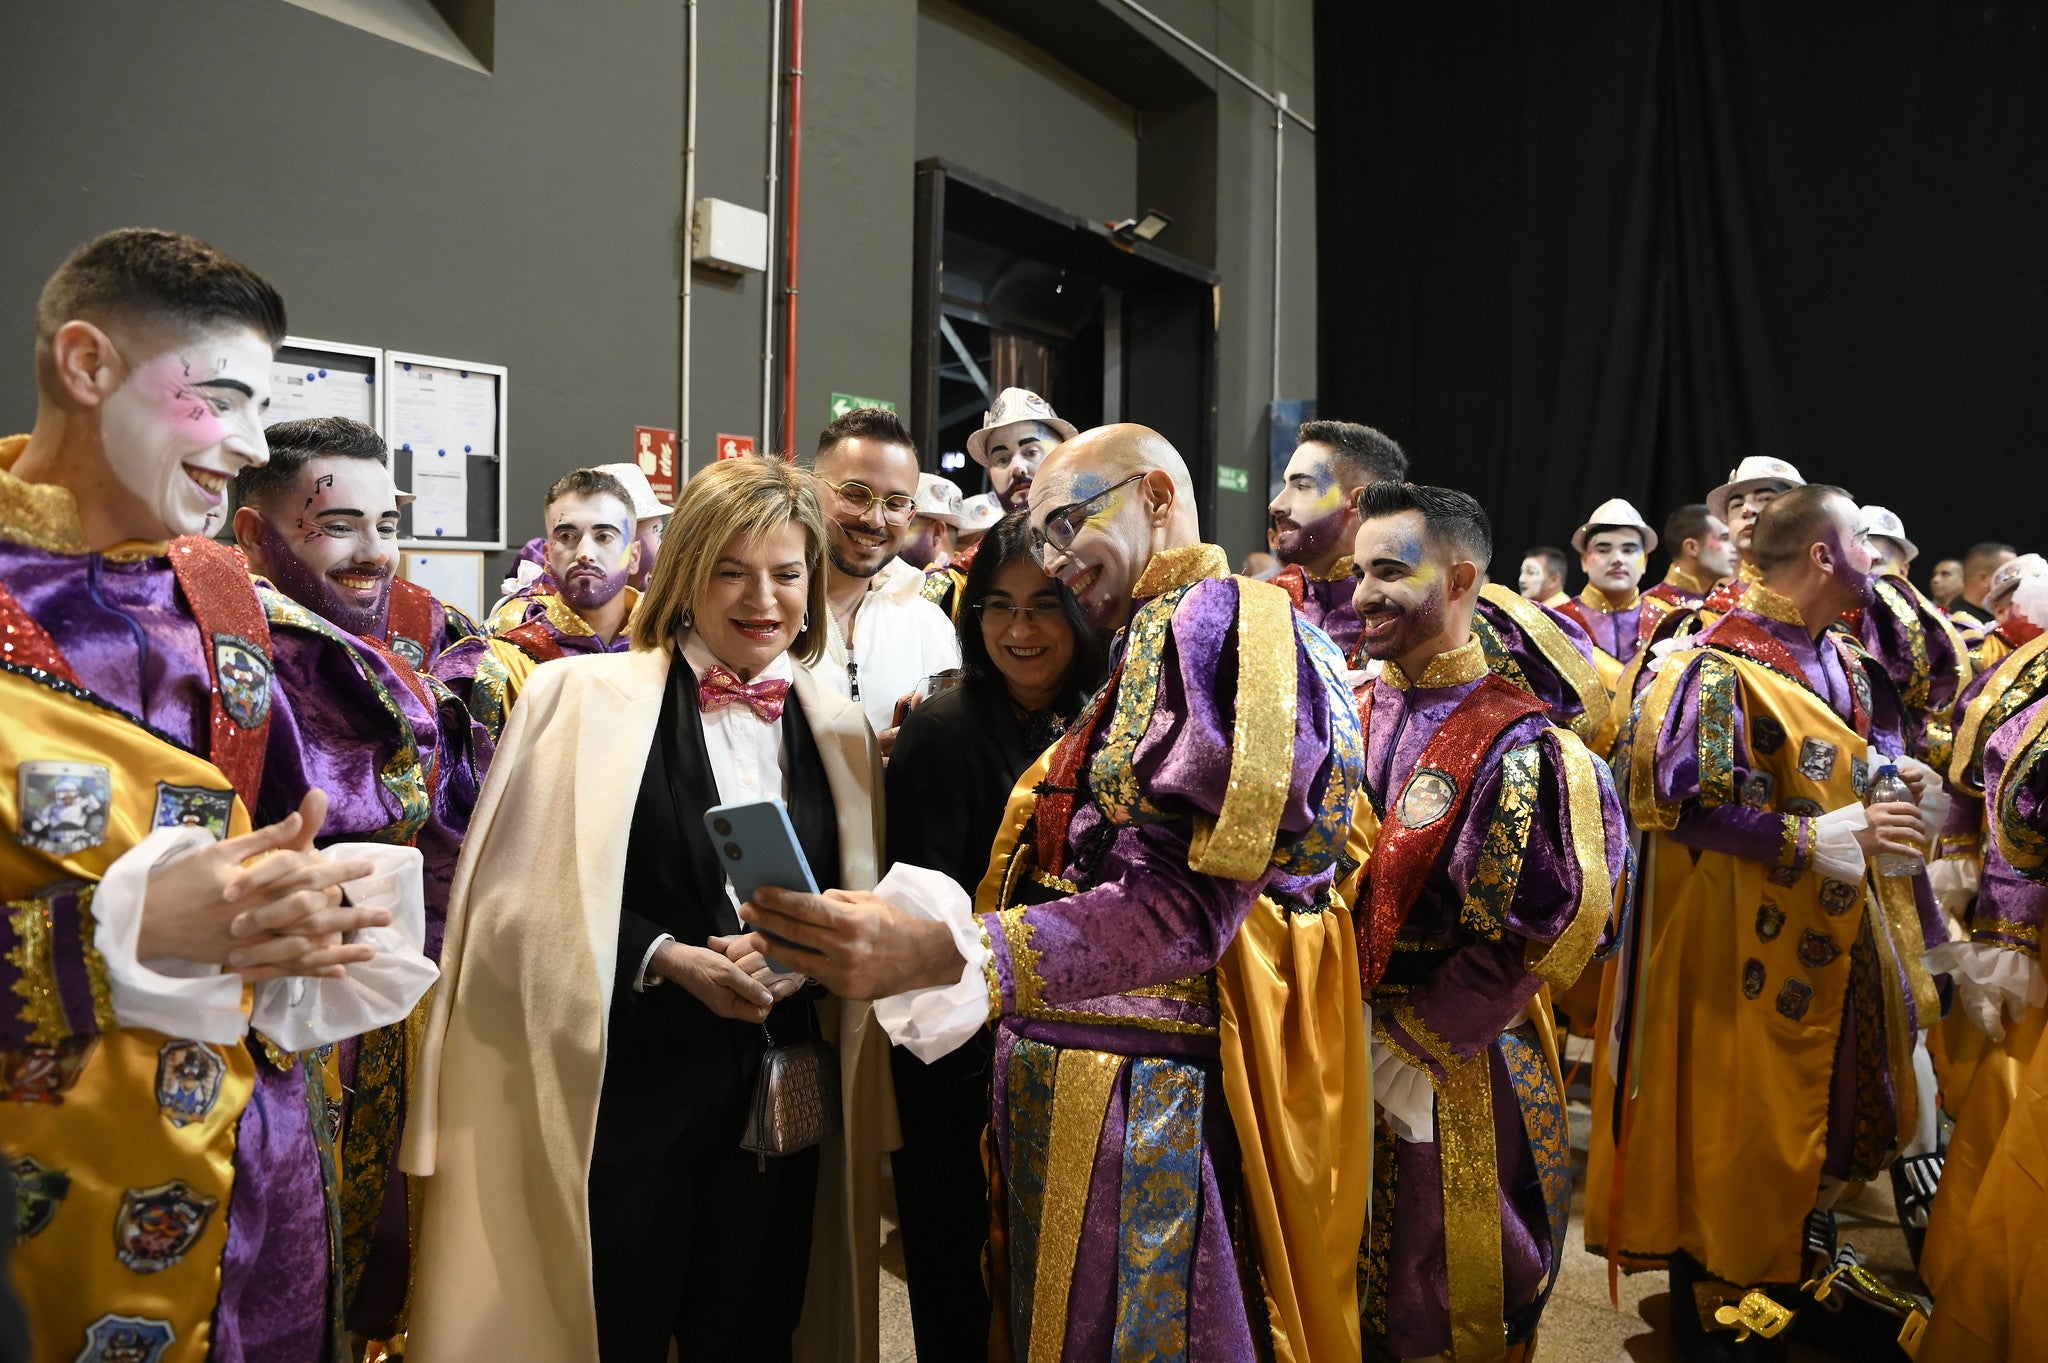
{"points": [[319, 594], [588, 587]]}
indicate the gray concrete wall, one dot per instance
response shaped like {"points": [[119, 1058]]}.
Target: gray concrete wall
{"points": [[532, 217], [991, 101]]}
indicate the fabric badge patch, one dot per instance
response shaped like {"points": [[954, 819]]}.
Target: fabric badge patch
{"points": [[156, 1226], [1766, 735], [64, 806], [1816, 760], [126, 1339], [242, 671], [1804, 808], [38, 1191], [1785, 876], [193, 807], [1859, 683], [188, 1075], [1427, 798], [1770, 921], [412, 650], [1757, 789], [1815, 950], [1859, 776], [1793, 998], [41, 1074], [1837, 897], [1752, 978]]}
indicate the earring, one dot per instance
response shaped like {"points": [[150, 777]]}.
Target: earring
{"points": [[806, 624], [689, 620]]}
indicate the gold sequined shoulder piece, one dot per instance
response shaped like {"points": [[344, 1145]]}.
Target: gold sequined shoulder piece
{"points": [[1771, 605], [39, 515], [1172, 568]]}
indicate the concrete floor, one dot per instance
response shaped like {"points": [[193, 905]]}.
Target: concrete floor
{"points": [[1580, 1325]]}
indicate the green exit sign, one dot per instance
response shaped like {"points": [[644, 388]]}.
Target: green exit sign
{"points": [[842, 403], [1233, 480]]}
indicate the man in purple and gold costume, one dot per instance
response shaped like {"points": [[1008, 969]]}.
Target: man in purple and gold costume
{"points": [[1499, 841], [1315, 517], [1613, 547], [1701, 556], [320, 522], [1922, 652], [1984, 1260], [1764, 1022], [584, 605], [168, 1136], [1181, 1110]]}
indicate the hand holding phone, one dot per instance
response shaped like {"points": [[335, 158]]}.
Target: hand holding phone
{"points": [[757, 846]]}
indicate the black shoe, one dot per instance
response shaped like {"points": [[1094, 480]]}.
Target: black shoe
{"points": [[1707, 1341], [1914, 1179]]}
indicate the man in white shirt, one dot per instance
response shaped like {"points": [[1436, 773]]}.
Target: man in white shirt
{"points": [[885, 637]]}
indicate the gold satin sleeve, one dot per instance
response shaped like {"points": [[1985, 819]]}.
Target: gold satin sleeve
{"points": [[1238, 844]]}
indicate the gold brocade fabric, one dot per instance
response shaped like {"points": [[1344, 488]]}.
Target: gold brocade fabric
{"points": [[1771, 605], [1239, 844], [1592, 598], [1740, 1006], [1563, 657], [2019, 681], [1180, 567], [1082, 1086], [148, 1127], [1465, 663], [1340, 569], [1677, 577], [40, 515]]}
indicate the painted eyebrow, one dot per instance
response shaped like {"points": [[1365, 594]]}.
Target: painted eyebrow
{"points": [[348, 511], [1392, 563], [236, 384]]}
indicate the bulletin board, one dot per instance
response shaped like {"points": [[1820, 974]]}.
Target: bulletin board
{"points": [[445, 423], [310, 378]]}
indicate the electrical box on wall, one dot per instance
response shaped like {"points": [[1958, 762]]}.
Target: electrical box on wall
{"points": [[725, 236]]}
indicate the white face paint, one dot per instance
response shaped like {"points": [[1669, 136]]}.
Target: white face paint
{"points": [[185, 422]]}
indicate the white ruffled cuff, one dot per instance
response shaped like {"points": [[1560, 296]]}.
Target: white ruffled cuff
{"points": [[1404, 1093], [300, 1012], [1836, 853], [1955, 881], [938, 1019], [180, 998], [1990, 981]]}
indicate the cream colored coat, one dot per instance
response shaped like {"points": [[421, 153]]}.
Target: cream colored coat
{"points": [[504, 1105]]}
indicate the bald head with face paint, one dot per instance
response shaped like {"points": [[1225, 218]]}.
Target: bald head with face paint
{"points": [[1102, 505]]}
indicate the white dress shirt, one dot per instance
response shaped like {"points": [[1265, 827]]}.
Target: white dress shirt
{"points": [[748, 760], [899, 639]]}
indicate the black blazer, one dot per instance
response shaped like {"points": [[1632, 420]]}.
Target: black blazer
{"points": [[673, 1068]]}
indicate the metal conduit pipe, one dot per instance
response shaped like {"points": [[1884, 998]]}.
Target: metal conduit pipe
{"points": [[792, 222], [689, 235], [1281, 113], [768, 298]]}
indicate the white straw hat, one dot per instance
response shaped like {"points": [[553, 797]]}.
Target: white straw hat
{"points": [[1012, 406], [1614, 511], [1754, 471]]}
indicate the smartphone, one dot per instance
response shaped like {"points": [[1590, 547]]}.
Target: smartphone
{"points": [[757, 846]]}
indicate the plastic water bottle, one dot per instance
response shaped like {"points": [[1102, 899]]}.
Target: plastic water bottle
{"points": [[1890, 786]]}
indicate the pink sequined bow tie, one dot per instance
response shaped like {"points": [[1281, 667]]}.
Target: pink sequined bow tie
{"points": [[721, 688]]}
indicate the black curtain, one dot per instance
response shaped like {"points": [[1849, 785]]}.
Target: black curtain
{"points": [[1578, 250]]}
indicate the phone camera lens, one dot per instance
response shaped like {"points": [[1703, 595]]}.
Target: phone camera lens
{"points": [[723, 827], [732, 851]]}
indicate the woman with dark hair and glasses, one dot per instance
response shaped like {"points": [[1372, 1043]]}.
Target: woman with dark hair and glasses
{"points": [[1031, 660]]}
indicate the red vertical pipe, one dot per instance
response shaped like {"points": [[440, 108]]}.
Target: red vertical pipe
{"points": [[793, 183]]}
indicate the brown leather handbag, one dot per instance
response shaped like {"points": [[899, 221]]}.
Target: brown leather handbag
{"points": [[796, 1099]]}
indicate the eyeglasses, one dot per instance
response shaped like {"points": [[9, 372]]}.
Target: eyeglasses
{"points": [[1006, 613], [1065, 523], [896, 508]]}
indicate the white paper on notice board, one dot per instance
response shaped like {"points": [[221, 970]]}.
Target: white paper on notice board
{"points": [[443, 417], [299, 391]]}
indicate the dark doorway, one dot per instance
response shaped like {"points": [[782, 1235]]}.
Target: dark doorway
{"points": [[1012, 292]]}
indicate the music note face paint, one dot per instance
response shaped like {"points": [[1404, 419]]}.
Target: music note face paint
{"points": [[185, 422], [331, 544]]}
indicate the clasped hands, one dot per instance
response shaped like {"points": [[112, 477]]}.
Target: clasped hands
{"points": [[264, 905]]}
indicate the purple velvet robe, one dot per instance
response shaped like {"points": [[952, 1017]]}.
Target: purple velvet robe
{"points": [[1143, 917], [1922, 654], [1469, 990], [1759, 834], [2011, 907], [1617, 633]]}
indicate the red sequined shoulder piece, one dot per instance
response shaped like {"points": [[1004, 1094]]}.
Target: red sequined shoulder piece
{"points": [[24, 643]]}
